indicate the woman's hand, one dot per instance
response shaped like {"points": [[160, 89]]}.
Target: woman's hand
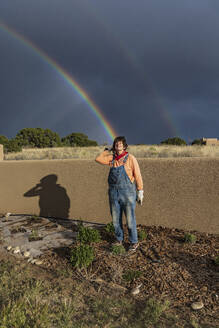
{"points": [[140, 196]]}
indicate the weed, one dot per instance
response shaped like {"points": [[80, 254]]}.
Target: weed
{"points": [[34, 235], [189, 238], [88, 235], [194, 323], [142, 235], [82, 256], [153, 310], [118, 250], [110, 228], [131, 275], [216, 260]]}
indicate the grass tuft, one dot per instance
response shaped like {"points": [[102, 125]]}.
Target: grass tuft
{"points": [[88, 235], [82, 256], [189, 238]]}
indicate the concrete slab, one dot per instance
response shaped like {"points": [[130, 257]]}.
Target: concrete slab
{"points": [[26, 233]]}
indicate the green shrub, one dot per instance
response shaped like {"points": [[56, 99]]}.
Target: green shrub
{"points": [[88, 235], [82, 256], [153, 310], [174, 141], [189, 238], [12, 145], [110, 228], [216, 260], [38, 137], [118, 250], [77, 140], [131, 275], [198, 142], [142, 235]]}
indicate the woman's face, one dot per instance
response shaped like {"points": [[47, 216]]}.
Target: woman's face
{"points": [[119, 147]]}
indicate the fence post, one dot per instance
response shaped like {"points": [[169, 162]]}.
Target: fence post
{"points": [[1, 153]]}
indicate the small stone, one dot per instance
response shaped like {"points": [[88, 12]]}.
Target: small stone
{"points": [[7, 215], [136, 290], [197, 305], [9, 248], [26, 254], [204, 289], [17, 250], [33, 261], [38, 262]]}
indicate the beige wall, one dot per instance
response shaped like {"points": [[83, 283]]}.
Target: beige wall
{"points": [[1, 153], [181, 193]]}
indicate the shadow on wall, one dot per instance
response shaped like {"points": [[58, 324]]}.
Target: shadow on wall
{"points": [[53, 198]]}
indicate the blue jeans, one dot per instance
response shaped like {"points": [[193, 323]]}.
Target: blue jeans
{"points": [[123, 200]]}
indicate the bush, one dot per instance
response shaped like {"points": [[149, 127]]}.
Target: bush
{"points": [[12, 146], [216, 260], [77, 140], [131, 275], [3, 140], [142, 235], [174, 141], [189, 238], [38, 137], [197, 142], [82, 256], [88, 235], [118, 250], [110, 228]]}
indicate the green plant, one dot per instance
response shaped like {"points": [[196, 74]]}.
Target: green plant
{"points": [[110, 228], [189, 238], [118, 250], [34, 235], [38, 137], [153, 310], [82, 256], [174, 141], [216, 260], [131, 275], [78, 140], [88, 235], [142, 235]]}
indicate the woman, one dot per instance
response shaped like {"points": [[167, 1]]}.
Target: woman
{"points": [[124, 177]]}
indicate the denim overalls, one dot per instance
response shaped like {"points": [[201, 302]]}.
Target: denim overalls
{"points": [[122, 197]]}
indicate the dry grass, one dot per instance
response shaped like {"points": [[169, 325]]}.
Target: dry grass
{"points": [[140, 151]]}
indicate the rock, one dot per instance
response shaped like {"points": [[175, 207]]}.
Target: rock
{"points": [[33, 261], [17, 250], [38, 262], [136, 290], [26, 254], [7, 215], [9, 248], [197, 305]]}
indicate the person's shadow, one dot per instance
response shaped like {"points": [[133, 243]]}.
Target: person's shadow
{"points": [[53, 199]]}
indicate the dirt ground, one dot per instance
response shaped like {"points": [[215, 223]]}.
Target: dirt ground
{"points": [[169, 269]]}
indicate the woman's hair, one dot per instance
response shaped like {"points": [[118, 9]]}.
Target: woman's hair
{"points": [[120, 138]]}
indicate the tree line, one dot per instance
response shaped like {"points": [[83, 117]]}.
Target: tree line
{"points": [[44, 138]]}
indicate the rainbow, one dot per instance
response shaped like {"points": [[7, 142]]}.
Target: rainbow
{"points": [[67, 77], [130, 59]]}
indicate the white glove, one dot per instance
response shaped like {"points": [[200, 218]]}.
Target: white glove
{"points": [[140, 196]]}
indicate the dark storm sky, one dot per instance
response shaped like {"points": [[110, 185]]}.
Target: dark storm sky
{"points": [[152, 67]]}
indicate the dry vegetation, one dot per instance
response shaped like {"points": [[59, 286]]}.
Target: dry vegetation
{"points": [[140, 151]]}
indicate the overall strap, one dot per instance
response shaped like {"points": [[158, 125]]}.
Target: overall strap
{"points": [[125, 159]]}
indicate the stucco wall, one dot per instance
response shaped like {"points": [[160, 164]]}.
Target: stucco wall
{"points": [[181, 193], [1, 153]]}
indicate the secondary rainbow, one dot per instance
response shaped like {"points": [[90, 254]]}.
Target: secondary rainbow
{"points": [[67, 77]]}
